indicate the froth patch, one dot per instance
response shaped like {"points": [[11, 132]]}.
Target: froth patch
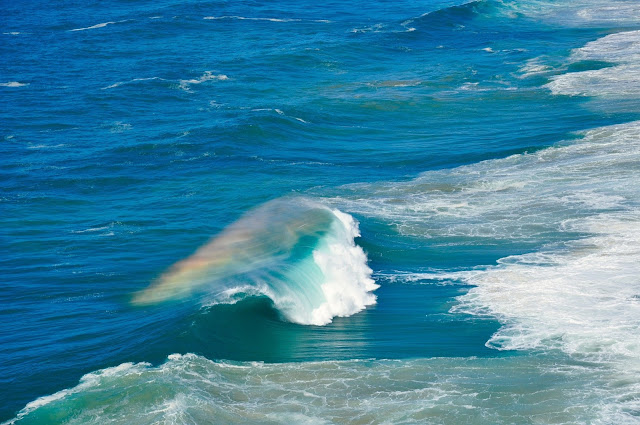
{"points": [[523, 198], [622, 47], [581, 299], [621, 80], [245, 18], [576, 13], [96, 26], [207, 76], [615, 82], [191, 389], [13, 84]]}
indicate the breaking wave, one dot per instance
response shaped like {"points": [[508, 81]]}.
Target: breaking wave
{"points": [[297, 252]]}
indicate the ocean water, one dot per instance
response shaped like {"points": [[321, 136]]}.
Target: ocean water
{"points": [[290, 212]]}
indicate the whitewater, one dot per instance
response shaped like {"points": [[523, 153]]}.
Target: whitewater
{"points": [[284, 212]]}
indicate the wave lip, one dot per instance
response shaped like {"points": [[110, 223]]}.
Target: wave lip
{"points": [[297, 252]]}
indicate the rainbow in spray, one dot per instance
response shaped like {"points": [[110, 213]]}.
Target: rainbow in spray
{"points": [[299, 253]]}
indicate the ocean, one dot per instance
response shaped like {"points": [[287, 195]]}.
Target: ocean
{"points": [[289, 212]]}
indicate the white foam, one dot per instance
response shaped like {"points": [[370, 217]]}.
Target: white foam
{"points": [[207, 76], [347, 282], [616, 82], [189, 389], [534, 67], [578, 294], [92, 229], [120, 127], [101, 25], [621, 81], [521, 198], [87, 382], [60, 145], [135, 80], [280, 112], [622, 47], [244, 18], [373, 28], [576, 13], [581, 299], [13, 84]]}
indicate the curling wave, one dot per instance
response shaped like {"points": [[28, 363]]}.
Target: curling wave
{"points": [[299, 253]]}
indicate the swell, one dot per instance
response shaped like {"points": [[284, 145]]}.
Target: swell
{"points": [[453, 16]]}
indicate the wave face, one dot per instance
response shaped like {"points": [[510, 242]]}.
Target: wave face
{"points": [[299, 253]]}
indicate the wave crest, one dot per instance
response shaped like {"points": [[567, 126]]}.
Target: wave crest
{"points": [[299, 253]]}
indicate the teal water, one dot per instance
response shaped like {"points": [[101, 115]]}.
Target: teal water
{"points": [[290, 212]]}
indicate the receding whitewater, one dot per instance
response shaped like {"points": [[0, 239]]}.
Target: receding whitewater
{"points": [[288, 212]]}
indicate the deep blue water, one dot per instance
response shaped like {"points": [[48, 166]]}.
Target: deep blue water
{"points": [[488, 150]]}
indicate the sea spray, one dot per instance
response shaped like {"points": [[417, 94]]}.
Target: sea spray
{"points": [[299, 253]]}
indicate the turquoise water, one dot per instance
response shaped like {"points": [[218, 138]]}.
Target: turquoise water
{"points": [[291, 212]]}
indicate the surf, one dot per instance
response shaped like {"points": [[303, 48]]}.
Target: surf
{"points": [[299, 253]]}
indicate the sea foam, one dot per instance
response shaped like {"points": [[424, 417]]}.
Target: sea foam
{"points": [[101, 25], [621, 80], [207, 76], [13, 84], [190, 389], [524, 198]]}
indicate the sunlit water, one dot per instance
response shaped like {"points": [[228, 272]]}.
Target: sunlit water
{"points": [[297, 212]]}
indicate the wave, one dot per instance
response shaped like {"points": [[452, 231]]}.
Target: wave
{"points": [[577, 292], [572, 305], [523, 198], [575, 13], [583, 299], [190, 389], [620, 80], [452, 16], [295, 251]]}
